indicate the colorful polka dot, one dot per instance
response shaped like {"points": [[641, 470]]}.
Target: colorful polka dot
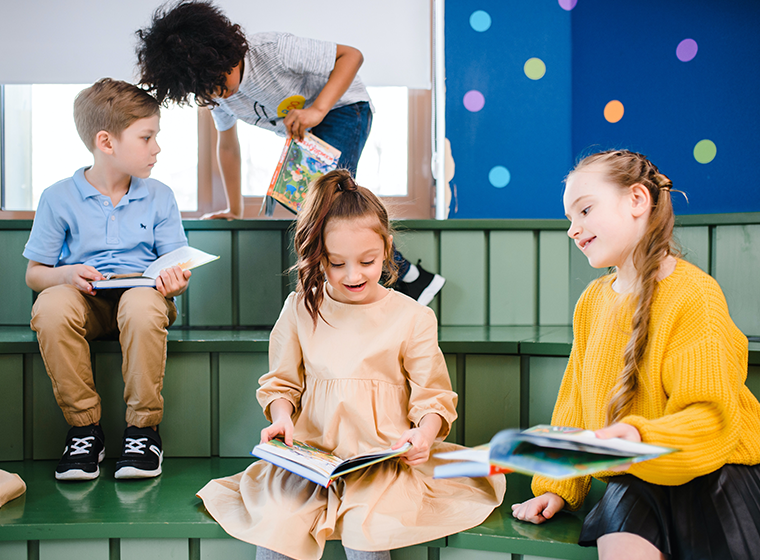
{"points": [[686, 50], [474, 101], [499, 176], [534, 68], [613, 111], [480, 21], [567, 4], [705, 151]]}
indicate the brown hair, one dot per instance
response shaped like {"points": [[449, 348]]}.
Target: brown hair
{"points": [[110, 105], [334, 196], [625, 169]]}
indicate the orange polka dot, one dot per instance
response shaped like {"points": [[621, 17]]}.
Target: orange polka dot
{"points": [[613, 111]]}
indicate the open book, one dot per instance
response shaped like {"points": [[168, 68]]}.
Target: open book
{"points": [[301, 162], [184, 257], [317, 465], [553, 451]]}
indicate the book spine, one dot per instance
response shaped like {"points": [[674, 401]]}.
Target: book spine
{"points": [[280, 163]]}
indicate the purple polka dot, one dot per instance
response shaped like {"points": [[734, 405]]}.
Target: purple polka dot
{"points": [[474, 100], [686, 50], [567, 4]]}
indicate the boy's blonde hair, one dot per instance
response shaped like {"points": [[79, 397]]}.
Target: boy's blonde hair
{"points": [[110, 105]]}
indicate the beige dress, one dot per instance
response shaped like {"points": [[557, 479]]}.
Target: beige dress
{"points": [[357, 382]]}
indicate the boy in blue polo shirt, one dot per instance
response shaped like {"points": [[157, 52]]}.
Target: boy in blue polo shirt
{"points": [[107, 218]]}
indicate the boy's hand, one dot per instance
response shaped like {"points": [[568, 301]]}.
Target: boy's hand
{"points": [[80, 275], [298, 121], [421, 438], [172, 281], [538, 509]]}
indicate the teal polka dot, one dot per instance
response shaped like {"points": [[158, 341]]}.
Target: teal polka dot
{"points": [[480, 20], [499, 176]]}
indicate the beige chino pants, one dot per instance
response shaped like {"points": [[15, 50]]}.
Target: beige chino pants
{"points": [[66, 319]]}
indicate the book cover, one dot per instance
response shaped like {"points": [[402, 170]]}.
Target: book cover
{"points": [[553, 451], [317, 465], [185, 257], [301, 162]]}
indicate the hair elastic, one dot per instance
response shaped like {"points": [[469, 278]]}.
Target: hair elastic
{"points": [[347, 184]]}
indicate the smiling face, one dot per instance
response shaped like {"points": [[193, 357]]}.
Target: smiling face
{"points": [[605, 218], [354, 261], [135, 149]]}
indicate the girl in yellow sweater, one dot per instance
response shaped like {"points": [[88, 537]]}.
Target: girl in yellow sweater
{"points": [[655, 358]]}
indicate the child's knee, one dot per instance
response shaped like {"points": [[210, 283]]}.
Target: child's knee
{"points": [[144, 308], [59, 307]]}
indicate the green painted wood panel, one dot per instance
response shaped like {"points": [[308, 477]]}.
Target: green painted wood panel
{"points": [[227, 549], [12, 407], [110, 385], [241, 419], [463, 264], [209, 294], [48, 425], [543, 386], [492, 394], [512, 278], [16, 303], [553, 285], [91, 549], [737, 269], [451, 365], [695, 245], [410, 553], [154, 549], [13, 550], [186, 427], [260, 271], [753, 380]]}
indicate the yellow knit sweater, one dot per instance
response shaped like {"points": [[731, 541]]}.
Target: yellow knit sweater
{"points": [[691, 394]]}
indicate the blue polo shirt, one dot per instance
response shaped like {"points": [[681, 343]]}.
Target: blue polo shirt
{"points": [[76, 224]]}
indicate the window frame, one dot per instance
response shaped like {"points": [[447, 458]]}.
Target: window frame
{"points": [[419, 202]]}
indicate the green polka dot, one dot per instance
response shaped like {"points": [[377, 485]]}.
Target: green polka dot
{"points": [[704, 151], [534, 68]]}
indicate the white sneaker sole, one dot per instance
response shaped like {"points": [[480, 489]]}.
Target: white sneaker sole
{"points": [[79, 474], [432, 289], [132, 472]]}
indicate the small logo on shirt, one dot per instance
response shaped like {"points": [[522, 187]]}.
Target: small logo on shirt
{"points": [[143, 226]]}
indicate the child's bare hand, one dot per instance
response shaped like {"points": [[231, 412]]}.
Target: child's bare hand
{"points": [[619, 430], [282, 427], [172, 281], [420, 450], [80, 275], [538, 509], [298, 121]]}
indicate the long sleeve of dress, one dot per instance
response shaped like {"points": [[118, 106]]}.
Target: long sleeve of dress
{"points": [[285, 378]]}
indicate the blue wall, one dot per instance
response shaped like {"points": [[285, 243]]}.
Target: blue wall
{"points": [[601, 51]]}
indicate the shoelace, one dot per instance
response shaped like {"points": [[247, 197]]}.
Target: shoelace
{"points": [[81, 446], [137, 445]]}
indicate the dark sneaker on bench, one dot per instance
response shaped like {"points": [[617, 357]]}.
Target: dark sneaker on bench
{"points": [[141, 454], [85, 449], [424, 288]]}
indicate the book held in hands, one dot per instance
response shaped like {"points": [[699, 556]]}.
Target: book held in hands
{"points": [[184, 257], [301, 162], [317, 465], [553, 451]]}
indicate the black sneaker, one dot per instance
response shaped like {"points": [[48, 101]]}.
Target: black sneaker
{"points": [[141, 454], [85, 449], [424, 288]]}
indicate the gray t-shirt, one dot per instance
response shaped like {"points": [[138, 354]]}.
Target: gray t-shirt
{"points": [[281, 72]]}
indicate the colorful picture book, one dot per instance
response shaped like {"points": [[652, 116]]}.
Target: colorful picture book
{"points": [[184, 257], [317, 465], [553, 451], [301, 162]]}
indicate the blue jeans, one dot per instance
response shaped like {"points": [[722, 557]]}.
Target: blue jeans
{"points": [[347, 128]]}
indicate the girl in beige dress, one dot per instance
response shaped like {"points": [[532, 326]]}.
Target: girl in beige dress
{"points": [[354, 368]]}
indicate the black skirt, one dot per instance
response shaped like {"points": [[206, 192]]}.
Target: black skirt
{"points": [[716, 516]]}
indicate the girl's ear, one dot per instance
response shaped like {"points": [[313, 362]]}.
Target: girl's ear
{"points": [[103, 142], [641, 200]]}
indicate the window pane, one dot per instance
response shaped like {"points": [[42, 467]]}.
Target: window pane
{"points": [[42, 145], [382, 167]]}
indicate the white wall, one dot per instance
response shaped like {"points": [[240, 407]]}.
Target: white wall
{"points": [[80, 41]]}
